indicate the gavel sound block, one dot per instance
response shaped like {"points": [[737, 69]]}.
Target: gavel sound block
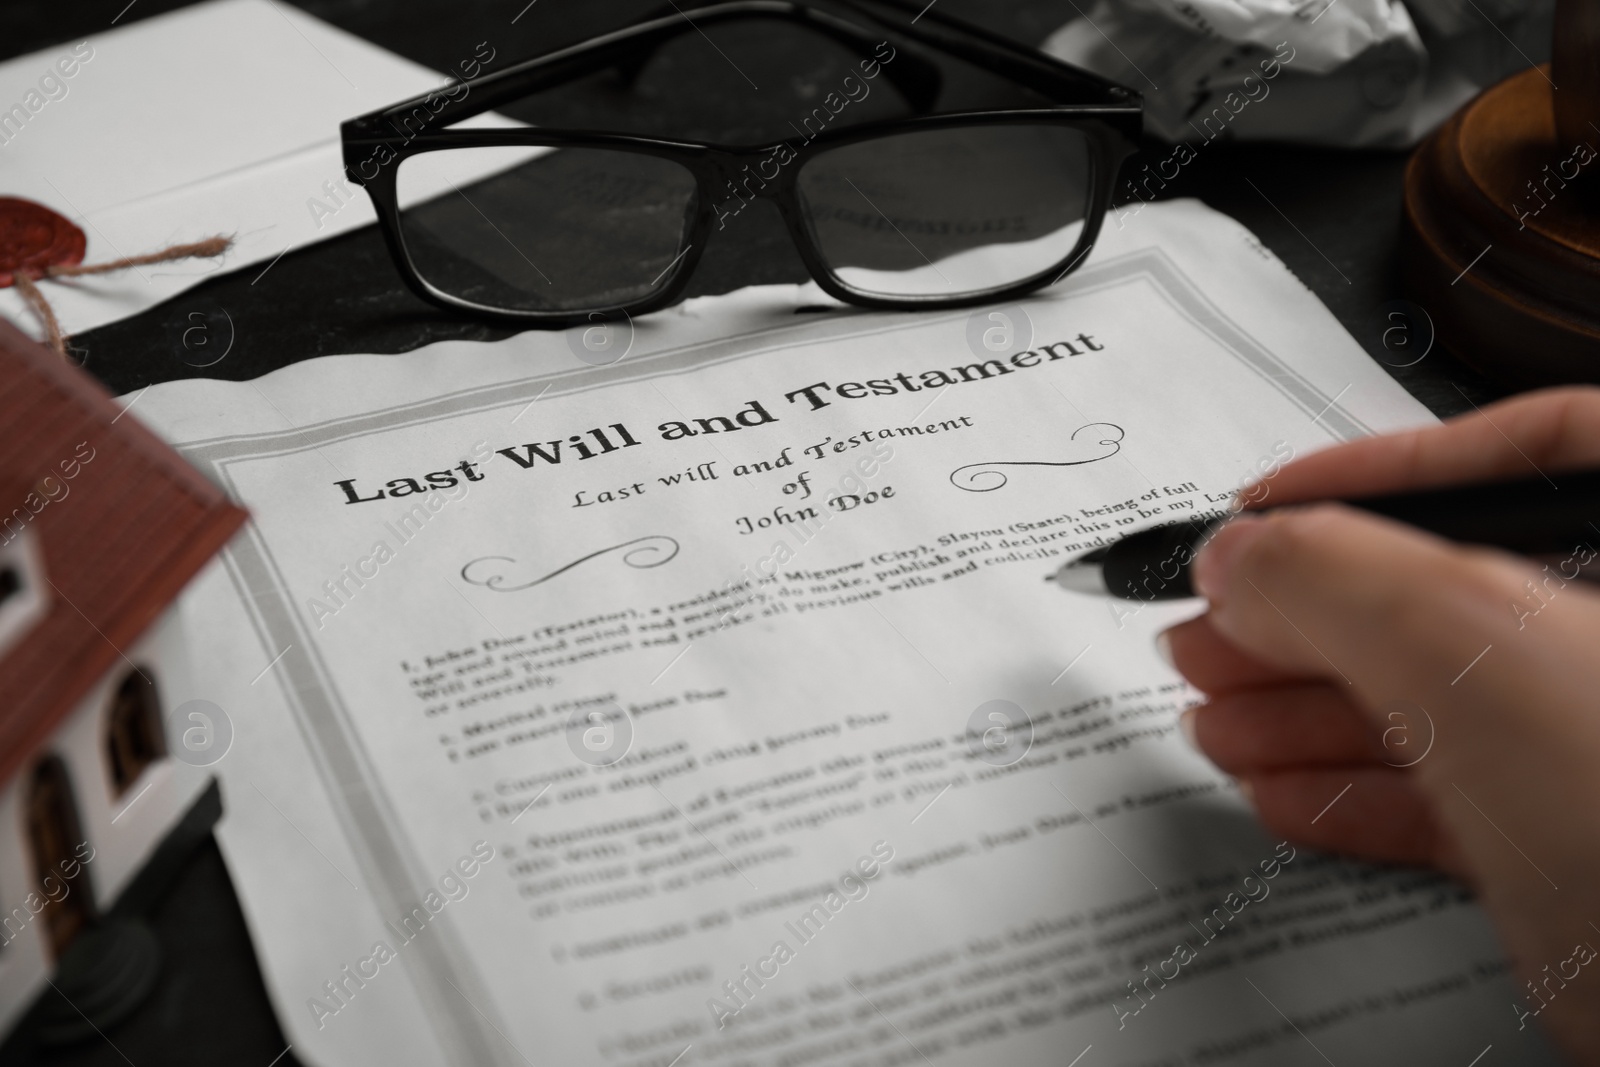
{"points": [[1500, 241]]}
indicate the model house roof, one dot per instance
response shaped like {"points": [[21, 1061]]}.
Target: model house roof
{"points": [[101, 523]]}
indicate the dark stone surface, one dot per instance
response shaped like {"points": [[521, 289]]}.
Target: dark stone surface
{"points": [[1331, 216]]}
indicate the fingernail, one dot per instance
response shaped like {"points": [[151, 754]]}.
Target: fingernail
{"points": [[1164, 649], [1214, 566], [1186, 726]]}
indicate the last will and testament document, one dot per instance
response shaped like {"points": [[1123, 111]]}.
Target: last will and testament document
{"points": [[689, 693]]}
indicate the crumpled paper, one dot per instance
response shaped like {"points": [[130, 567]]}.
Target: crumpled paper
{"points": [[1351, 73]]}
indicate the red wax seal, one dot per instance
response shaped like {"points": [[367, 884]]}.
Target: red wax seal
{"points": [[32, 237]]}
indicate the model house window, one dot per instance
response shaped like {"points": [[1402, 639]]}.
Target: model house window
{"points": [[55, 837], [133, 732], [22, 588]]}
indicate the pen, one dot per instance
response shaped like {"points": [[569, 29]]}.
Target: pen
{"points": [[1532, 516]]}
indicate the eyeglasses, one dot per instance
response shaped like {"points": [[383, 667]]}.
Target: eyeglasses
{"points": [[545, 227]]}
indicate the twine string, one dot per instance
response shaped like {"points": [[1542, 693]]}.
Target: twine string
{"points": [[25, 280], [210, 247], [46, 314]]}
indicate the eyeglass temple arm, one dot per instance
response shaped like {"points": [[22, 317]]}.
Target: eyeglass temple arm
{"points": [[918, 78]]}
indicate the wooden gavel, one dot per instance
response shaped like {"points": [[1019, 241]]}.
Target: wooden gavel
{"points": [[1500, 243]]}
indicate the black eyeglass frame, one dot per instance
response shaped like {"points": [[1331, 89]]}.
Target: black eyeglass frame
{"points": [[1110, 123]]}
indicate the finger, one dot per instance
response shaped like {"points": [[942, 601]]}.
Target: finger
{"points": [[1547, 431], [1264, 730], [1212, 663], [1372, 814], [1356, 599]]}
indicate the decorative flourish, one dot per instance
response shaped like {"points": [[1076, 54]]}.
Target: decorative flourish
{"points": [[1102, 439], [641, 552]]}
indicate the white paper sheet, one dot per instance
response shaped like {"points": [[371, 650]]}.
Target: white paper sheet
{"points": [[397, 708], [217, 118]]}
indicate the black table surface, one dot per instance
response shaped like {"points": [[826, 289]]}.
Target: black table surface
{"points": [[1332, 216]]}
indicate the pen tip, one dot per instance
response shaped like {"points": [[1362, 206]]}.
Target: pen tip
{"points": [[1081, 575]]}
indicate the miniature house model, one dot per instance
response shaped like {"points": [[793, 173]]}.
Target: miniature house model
{"points": [[101, 525]]}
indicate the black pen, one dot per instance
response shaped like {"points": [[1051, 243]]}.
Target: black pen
{"points": [[1532, 516]]}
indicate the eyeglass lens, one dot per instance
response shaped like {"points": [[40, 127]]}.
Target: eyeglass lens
{"points": [[544, 229], [948, 212]]}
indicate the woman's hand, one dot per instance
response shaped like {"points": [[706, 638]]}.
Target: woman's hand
{"points": [[1388, 695]]}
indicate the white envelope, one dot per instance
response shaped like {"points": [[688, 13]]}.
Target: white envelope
{"points": [[221, 118]]}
